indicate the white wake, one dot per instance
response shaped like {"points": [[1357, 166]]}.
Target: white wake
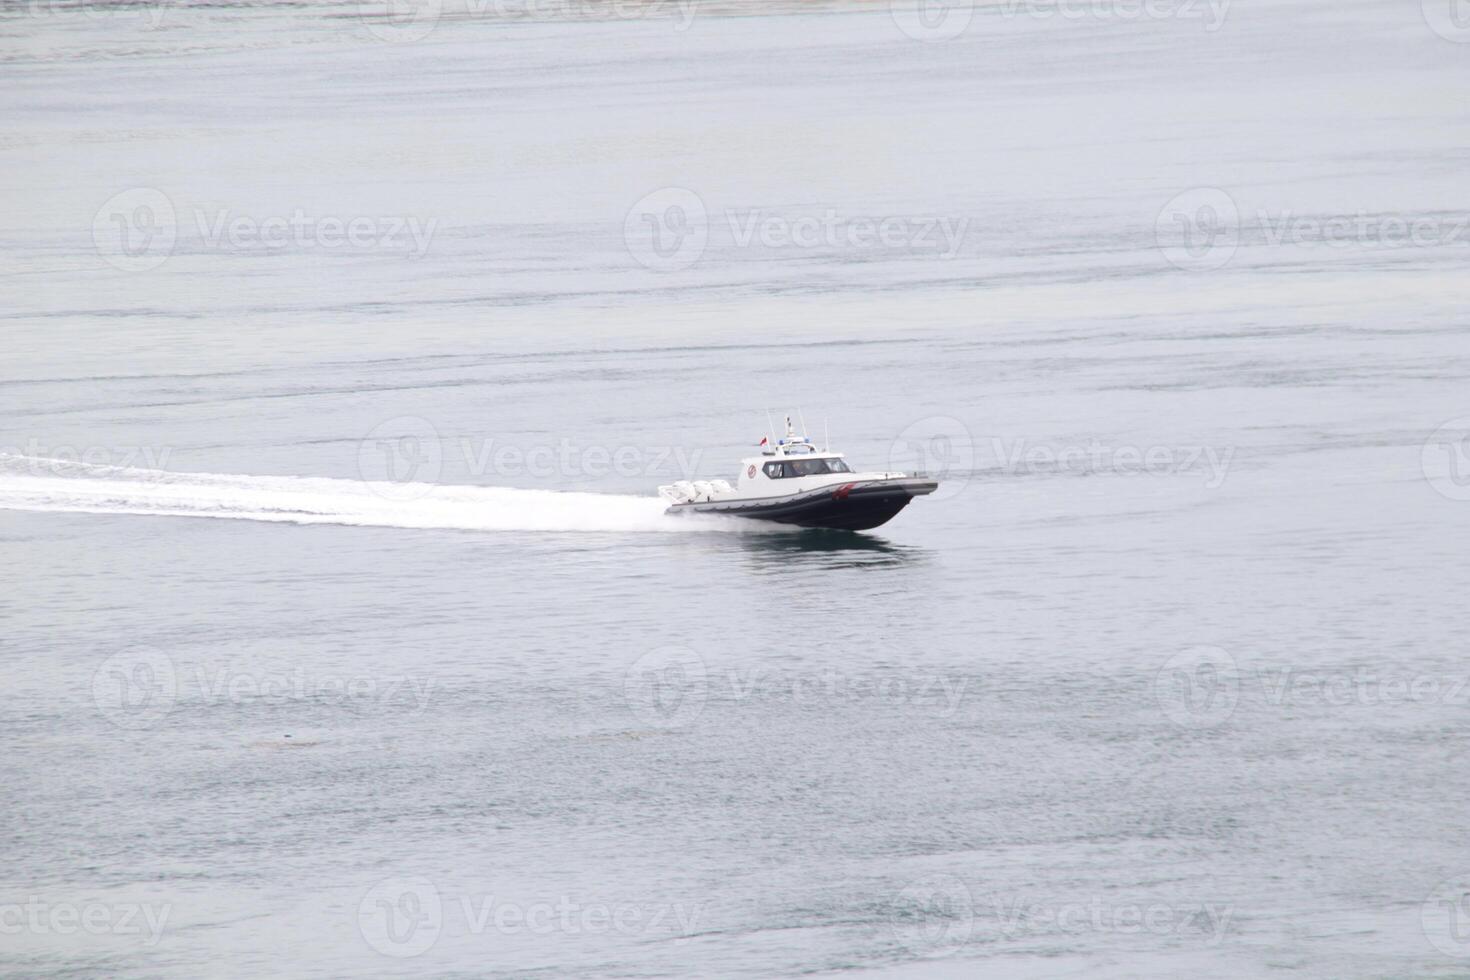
{"points": [[36, 484]]}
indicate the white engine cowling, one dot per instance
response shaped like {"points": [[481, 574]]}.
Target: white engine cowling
{"points": [[680, 492]]}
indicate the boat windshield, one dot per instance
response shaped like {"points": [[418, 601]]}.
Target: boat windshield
{"points": [[805, 467]]}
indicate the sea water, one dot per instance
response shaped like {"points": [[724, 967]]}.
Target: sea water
{"points": [[344, 350]]}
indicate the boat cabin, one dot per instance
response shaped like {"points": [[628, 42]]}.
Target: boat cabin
{"points": [[791, 458]]}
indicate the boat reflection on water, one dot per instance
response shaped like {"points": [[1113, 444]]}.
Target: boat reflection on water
{"points": [[827, 549]]}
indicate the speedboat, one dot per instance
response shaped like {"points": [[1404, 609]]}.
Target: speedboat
{"points": [[794, 482]]}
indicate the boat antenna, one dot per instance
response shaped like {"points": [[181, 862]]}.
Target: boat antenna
{"points": [[826, 437], [802, 418], [770, 430]]}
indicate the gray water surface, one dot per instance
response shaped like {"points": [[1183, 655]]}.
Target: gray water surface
{"points": [[345, 636]]}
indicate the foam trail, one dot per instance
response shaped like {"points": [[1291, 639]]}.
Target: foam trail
{"points": [[37, 484]]}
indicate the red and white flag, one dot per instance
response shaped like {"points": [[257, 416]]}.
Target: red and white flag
{"points": [[763, 440]]}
